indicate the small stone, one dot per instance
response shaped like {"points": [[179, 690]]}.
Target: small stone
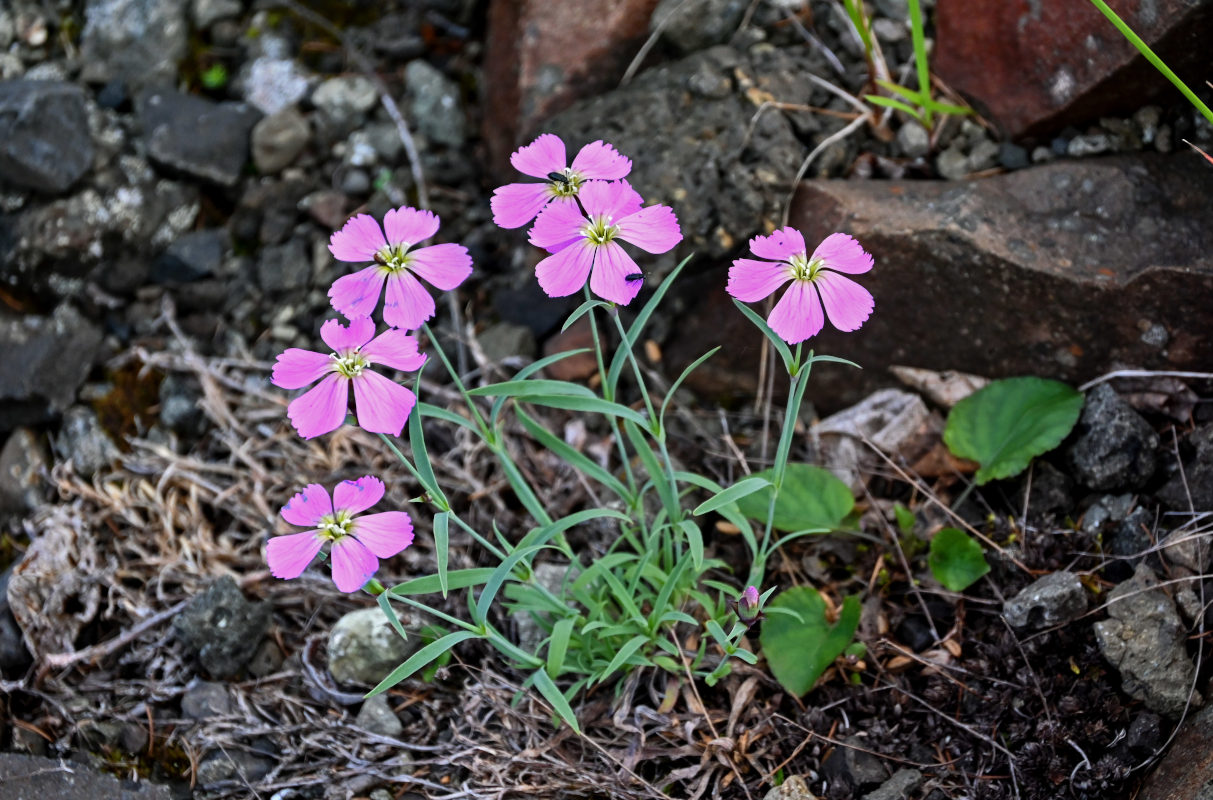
{"points": [[23, 463], [126, 737], [13, 654], [138, 41], [1012, 156], [574, 368], [889, 30], [1186, 550], [952, 163], [504, 340], [710, 82], [913, 139], [1144, 639], [1055, 599], [435, 104], [1113, 447], [1127, 543], [1147, 120], [205, 699], [794, 788], [692, 25], [206, 13], [191, 257], [283, 267], [377, 716], [222, 627], [44, 135], [192, 134], [326, 207], [266, 661], [899, 787], [279, 139], [345, 99], [1193, 488], [850, 761], [84, 442], [1090, 144], [1107, 508], [1042, 155], [180, 405], [364, 647], [984, 155], [355, 182], [272, 84], [224, 765]]}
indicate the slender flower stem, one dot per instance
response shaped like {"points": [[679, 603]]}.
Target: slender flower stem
{"points": [[631, 357], [485, 431], [608, 394]]}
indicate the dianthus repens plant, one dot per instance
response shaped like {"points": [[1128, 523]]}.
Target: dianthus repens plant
{"points": [[653, 586]]}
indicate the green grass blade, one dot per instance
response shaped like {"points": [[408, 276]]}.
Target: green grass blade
{"points": [[441, 547], [731, 495], [780, 345], [637, 327], [457, 579], [568, 453], [547, 687], [420, 659], [592, 405], [558, 644]]}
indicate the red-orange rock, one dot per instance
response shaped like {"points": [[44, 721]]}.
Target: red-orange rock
{"points": [[542, 55], [1038, 66]]}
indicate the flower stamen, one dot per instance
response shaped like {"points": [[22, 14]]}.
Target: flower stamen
{"points": [[599, 230], [349, 365]]}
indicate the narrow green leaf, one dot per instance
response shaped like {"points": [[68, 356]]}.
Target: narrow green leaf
{"points": [[663, 597], [547, 687], [499, 576], [421, 461], [437, 412], [1011, 421], [593, 405], [531, 386], [779, 344], [558, 644], [567, 453], [457, 579], [718, 634], [956, 560], [732, 494], [526, 372], [637, 327], [419, 659], [690, 529], [686, 373], [581, 310], [441, 547], [625, 652], [384, 600], [888, 102], [913, 95], [669, 500], [816, 359]]}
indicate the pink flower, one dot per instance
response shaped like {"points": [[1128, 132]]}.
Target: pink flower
{"points": [[816, 282], [408, 304], [358, 544], [582, 246], [516, 204], [382, 405]]}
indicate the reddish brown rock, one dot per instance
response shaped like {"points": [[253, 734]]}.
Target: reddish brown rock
{"points": [[580, 367], [542, 55], [1067, 270], [1038, 66]]}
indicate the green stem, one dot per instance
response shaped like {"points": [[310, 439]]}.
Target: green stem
{"points": [[609, 396], [1157, 62], [485, 431], [631, 357], [918, 38]]}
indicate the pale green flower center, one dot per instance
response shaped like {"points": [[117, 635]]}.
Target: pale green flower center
{"points": [[334, 527], [568, 184], [804, 269], [394, 257], [349, 365], [599, 230]]}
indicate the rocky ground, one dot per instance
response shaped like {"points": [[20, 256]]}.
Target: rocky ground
{"points": [[169, 176]]}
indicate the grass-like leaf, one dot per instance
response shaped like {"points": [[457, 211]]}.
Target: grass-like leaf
{"points": [[732, 494], [420, 659], [1011, 421]]}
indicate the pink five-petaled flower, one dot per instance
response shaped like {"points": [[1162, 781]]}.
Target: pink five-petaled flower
{"points": [[382, 405], [582, 246], [408, 304], [816, 281], [516, 204], [358, 544]]}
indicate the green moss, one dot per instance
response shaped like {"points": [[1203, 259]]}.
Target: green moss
{"points": [[127, 409]]}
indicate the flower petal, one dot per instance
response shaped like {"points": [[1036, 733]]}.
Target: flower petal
{"points": [[847, 303], [545, 154], [558, 223], [406, 303], [751, 280], [343, 338], [356, 295], [288, 556], [409, 225], [601, 160], [384, 534], [797, 315], [780, 245], [843, 254], [308, 506], [353, 564], [606, 198], [654, 229], [445, 266], [355, 496], [395, 348], [563, 273], [296, 368], [322, 409], [383, 406], [358, 240], [630, 202], [516, 204], [609, 278]]}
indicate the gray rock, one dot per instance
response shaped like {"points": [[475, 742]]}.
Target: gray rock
{"points": [[207, 12], [1187, 551], [278, 139], [191, 257], [1112, 447], [1051, 490], [355, 182], [283, 267], [1107, 508], [137, 41], [1090, 144], [192, 134], [180, 399], [84, 442], [794, 788], [890, 31], [723, 186], [1145, 641], [23, 463], [1012, 156], [205, 699], [913, 139], [346, 99], [363, 647], [899, 787], [114, 735], [271, 84], [34, 778], [894, 9], [434, 103], [983, 155], [854, 764], [44, 135], [376, 716], [697, 24], [503, 340], [13, 653], [1129, 540], [238, 765], [222, 627], [267, 660], [1186, 770], [952, 163], [1193, 489], [1055, 599]]}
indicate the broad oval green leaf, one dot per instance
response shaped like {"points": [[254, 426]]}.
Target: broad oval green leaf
{"points": [[1011, 421], [811, 497], [956, 560], [799, 652]]}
